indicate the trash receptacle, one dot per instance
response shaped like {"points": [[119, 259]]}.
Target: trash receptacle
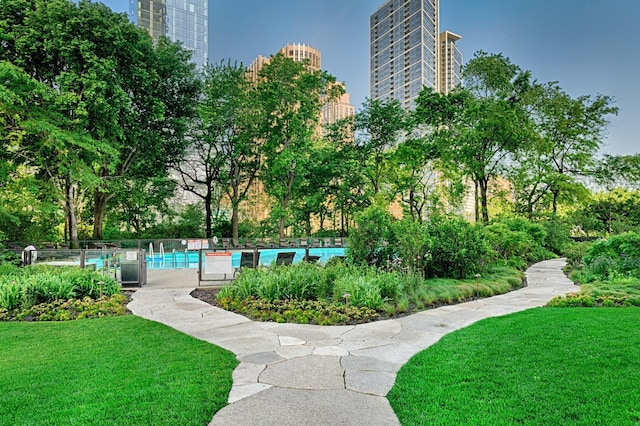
{"points": [[133, 268]]}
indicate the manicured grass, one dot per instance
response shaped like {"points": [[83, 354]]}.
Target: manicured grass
{"points": [[109, 371], [546, 366]]}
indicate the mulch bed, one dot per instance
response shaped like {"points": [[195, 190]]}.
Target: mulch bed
{"points": [[206, 295]]}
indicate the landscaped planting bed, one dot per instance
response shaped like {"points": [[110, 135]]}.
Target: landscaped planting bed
{"points": [[341, 294]]}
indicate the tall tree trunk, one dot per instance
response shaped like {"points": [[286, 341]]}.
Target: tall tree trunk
{"points": [[207, 212], [412, 207], [556, 195], [70, 207], [99, 209], [484, 183], [322, 216], [235, 219], [307, 224], [285, 201], [476, 199], [281, 224]]}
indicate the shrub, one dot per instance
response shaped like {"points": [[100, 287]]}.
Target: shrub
{"points": [[619, 254], [10, 295], [42, 284], [70, 309], [245, 286], [557, 236], [8, 257], [371, 240], [575, 252], [300, 281], [508, 243], [412, 242], [362, 291], [456, 248], [583, 300], [389, 285], [518, 241]]}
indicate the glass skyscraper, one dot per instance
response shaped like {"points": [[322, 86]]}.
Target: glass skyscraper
{"points": [[185, 21], [404, 50]]}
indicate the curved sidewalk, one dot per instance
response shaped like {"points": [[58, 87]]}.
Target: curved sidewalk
{"points": [[292, 374]]}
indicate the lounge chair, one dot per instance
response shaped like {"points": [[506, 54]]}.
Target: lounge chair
{"points": [[226, 243], [285, 258], [248, 260]]}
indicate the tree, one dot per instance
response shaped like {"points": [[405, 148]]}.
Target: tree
{"points": [[223, 149], [618, 171], [610, 212], [570, 133], [348, 192], [315, 189], [420, 164], [162, 102], [379, 126], [37, 132], [290, 97], [125, 100], [136, 205], [413, 177], [493, 123], [29, 210]]}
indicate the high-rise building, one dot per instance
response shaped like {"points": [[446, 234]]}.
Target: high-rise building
{"points": [[302, 52], [186, 21], [450, 62], [404, 49], [337, 109], [257, 208], [332, 110]]}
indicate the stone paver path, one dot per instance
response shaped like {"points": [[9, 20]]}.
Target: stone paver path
{"points": [[291, 374]]}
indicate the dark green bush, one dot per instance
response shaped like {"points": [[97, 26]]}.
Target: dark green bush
{"points": [[617, 255], [412, 243], [557, 236], [372, 239], [575, 252], [519, 242], [456, 248], [7, 257]]}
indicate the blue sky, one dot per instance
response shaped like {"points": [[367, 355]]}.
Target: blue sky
{"points": [[589, 47]]}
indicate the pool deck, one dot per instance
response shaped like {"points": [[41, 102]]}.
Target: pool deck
{"points": [[293, 374], [175, 278]]}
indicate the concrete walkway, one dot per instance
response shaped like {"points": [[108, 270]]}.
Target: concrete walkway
{"points": [[292, 374]]}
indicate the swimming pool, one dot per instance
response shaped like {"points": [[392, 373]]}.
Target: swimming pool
{"points": [[189, 259]]}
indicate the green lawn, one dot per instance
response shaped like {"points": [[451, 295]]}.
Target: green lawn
{"points": [[546, 366], [109, 371]]}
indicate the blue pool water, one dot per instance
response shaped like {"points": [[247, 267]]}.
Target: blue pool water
{"points": [[189, 259]]}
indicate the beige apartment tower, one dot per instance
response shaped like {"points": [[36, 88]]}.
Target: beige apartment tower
{"points": [[450, 62], [332, 111], [257, 207]]}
